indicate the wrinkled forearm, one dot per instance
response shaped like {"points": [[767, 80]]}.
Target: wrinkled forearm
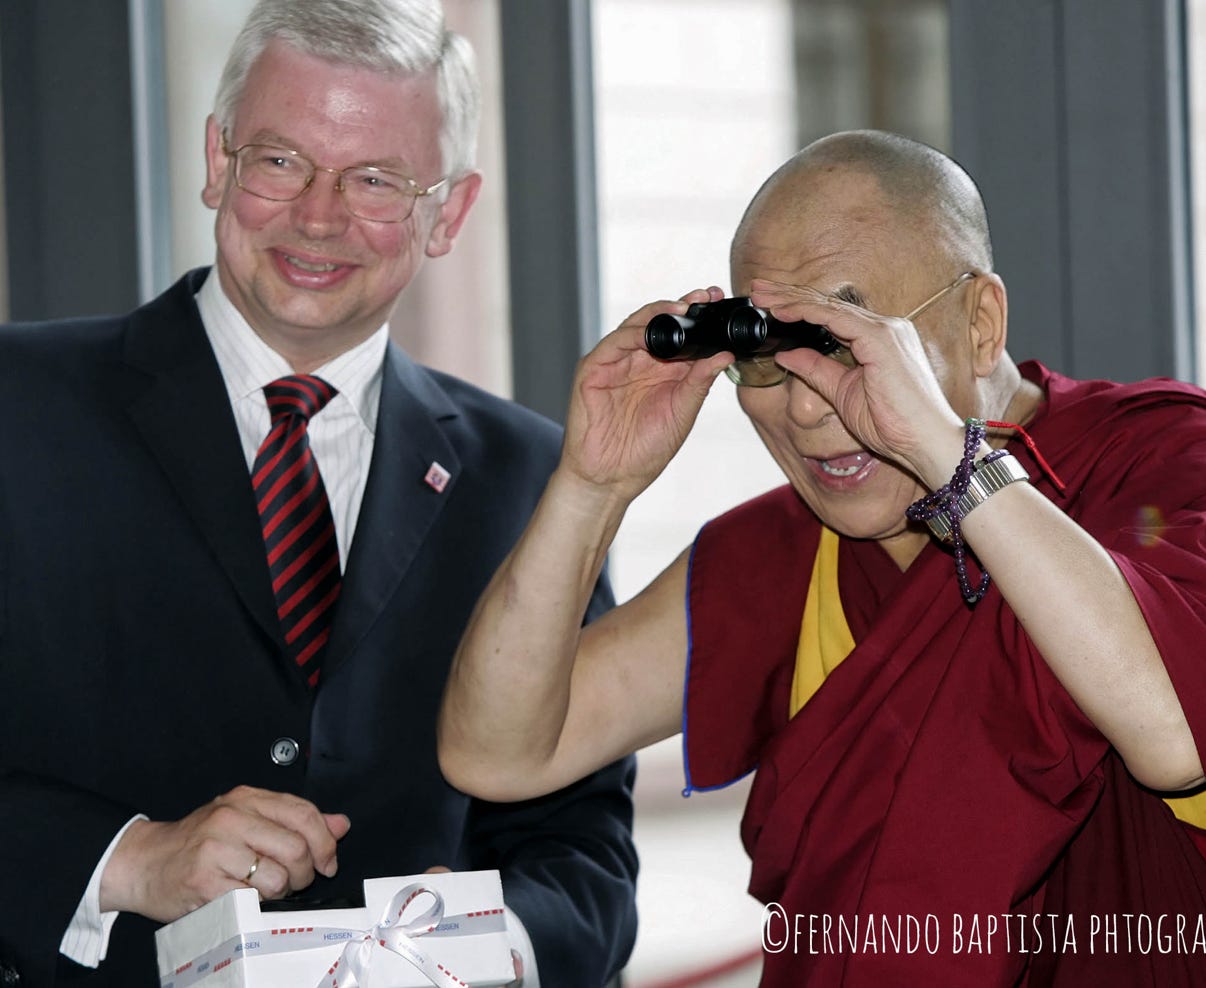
{"points": [[509, 692], [1077, 608]]}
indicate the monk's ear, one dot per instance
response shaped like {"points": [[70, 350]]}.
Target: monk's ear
{"points": [[987, 328]]}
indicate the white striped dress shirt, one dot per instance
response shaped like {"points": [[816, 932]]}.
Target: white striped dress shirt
{"points": [[341, 435]]}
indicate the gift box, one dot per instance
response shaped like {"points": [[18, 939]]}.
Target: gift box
{"points": [[446, 929]]}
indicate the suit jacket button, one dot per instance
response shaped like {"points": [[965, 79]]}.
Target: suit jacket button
{"points": [[284, 751]]}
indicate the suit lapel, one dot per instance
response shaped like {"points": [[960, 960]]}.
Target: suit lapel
{"points": [[183, 413], [399, 505], [185, 418]]}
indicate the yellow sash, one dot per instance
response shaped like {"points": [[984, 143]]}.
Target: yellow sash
{"points": [[1191, 809], [825, 640], [825, 637]]}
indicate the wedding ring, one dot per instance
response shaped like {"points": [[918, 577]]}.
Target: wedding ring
{"points": [[255, 866]]}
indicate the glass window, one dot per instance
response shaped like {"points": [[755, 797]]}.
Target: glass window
{"points": [[454, 316], [4, 315], [698, 101], [867, 63], [694, 106], [1195, 47]]}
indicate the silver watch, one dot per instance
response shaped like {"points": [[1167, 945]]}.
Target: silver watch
{"points": [[988, 477]]}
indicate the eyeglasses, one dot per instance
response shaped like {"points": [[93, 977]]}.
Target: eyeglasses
{"points": [[763, 372], [282, 175]]}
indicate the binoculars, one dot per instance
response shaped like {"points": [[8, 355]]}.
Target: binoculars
{"points": [[735, 325]]}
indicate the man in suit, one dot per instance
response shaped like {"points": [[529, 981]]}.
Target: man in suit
{"points": [[241, 532]]}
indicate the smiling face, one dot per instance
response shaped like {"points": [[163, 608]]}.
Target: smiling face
{"points": [[834, 231], [312, 279]]}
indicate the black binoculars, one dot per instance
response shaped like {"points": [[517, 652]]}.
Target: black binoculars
{"points": [[735, 325]]}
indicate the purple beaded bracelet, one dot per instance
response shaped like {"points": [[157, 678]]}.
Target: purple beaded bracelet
{"points": [[946, 499]]}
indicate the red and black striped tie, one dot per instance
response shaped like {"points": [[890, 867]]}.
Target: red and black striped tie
{"points": [[299, 532]]}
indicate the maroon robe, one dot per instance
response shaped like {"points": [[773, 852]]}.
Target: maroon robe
{"points": [[942, 775]]}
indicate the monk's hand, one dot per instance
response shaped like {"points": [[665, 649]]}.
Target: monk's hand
{"points": [[273, 842], [891, 400], [629, 412]]}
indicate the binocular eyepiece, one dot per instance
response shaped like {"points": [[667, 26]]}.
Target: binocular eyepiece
{"points": [[732, 324]]}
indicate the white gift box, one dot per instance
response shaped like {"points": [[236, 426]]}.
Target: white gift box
{"points": [[446, 929]]}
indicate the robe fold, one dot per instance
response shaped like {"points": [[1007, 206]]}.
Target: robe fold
{"points": [[941, 780]]}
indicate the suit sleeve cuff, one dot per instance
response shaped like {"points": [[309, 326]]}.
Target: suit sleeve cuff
{"points": [[87, 938]]}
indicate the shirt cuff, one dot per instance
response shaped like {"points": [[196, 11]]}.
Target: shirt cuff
{"points": [[521, 943], [87, 938]]}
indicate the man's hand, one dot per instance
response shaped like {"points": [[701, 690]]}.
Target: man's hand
{"points": [[892, 400], [629, 412], [272, 841]]}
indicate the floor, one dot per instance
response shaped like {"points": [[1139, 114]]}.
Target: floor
{"points": [[695, 912]]}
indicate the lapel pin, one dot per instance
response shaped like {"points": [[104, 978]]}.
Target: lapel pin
{"points": [[437, 477]]}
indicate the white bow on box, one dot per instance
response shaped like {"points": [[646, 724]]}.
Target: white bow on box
{"points": [[229, 943]]}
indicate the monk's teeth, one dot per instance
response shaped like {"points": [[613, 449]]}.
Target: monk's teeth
{"points": [[840, 471], [844, 466]]}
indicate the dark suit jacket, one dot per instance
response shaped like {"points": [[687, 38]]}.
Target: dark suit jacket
{"points": [[141, 662]]}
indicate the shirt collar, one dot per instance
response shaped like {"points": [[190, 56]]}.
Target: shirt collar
{"points": [[247, 363]]}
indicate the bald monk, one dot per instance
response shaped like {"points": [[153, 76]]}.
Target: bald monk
{"points": [[932, 748]]}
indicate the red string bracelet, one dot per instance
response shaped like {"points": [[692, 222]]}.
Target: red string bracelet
{"points": [[1030, 445]]}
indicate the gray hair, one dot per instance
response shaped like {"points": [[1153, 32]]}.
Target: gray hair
{"points": [[403, 36]]}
